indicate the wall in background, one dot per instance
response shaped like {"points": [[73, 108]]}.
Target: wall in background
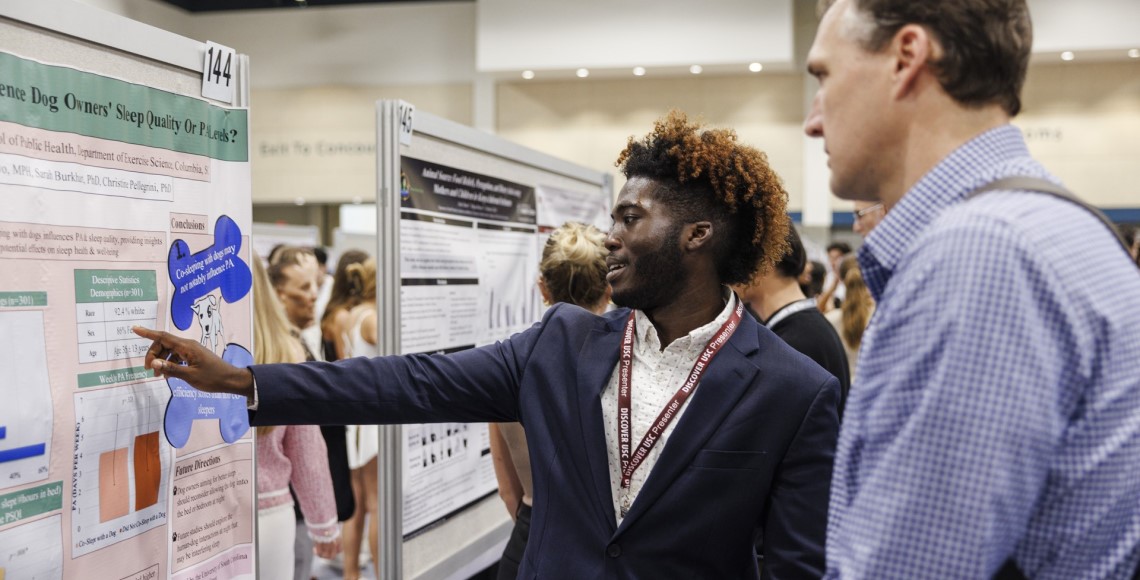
{"points": [[318, 145], [590, 122], [316, 73], [1083, 122], [1081, 119]]}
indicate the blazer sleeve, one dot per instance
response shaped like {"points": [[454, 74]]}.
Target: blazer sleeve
{"points": [[475, 385], [795, 529]]}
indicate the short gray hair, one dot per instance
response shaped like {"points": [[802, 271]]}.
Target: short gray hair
{"points": [[985, 43]]}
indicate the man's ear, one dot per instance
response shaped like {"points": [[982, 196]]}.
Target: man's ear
{"points": [[914, 49], [697, 235]]}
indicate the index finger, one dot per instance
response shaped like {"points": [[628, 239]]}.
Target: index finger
{"points": [[162, 341], [145, 332], [155, 348], [165, 339]]}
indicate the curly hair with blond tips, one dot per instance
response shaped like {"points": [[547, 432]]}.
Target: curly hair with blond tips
{"points": [[706, 174]]}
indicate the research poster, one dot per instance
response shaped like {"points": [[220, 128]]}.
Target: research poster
{"points": [[123, 205], [468, 266]]}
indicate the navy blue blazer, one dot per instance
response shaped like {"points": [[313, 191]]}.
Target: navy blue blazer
{"points": [[753, 449]]}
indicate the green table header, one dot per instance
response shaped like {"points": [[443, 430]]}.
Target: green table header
{"points": [[97, 286], [31, 502], [104, 378], [58, 98], [22, 299]]}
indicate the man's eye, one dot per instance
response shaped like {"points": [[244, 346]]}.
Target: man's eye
{"points": [[628, 219]]}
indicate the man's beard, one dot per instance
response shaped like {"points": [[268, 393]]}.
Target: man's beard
{"points": [[658, 276]]}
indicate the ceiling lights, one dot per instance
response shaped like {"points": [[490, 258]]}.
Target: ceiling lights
{"points": [[640, 71], [1067, 55]]}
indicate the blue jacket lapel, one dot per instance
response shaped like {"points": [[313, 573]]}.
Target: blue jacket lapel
{"points": [[596, 363], [724, 383]]}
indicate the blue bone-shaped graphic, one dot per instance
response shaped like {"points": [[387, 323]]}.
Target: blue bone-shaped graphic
{"points": [[217, 266], [188, 404]]}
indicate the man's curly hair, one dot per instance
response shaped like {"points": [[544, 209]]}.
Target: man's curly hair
{"points": [[708, 175]]}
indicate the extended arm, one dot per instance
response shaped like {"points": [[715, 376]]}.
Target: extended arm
{"points": [[476, 385]]}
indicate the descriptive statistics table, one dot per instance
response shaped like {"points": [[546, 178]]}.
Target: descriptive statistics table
{"points": [[107, 304]]}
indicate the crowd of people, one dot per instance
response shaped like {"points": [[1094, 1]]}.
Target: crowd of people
{"points": [[330, 472], [958, 398], [302, 314]]}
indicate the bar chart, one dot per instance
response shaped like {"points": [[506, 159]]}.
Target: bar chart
{"points": [[121, 460], [508, 273], [26, 415], [32, 551]]}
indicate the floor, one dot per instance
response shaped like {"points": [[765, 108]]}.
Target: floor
{"points": [[333, 570]]}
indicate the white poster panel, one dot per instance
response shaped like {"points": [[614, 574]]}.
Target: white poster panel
{"points": [[124, 205], [557, 206], [468, 268]]}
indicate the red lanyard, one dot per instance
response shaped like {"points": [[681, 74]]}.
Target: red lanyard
{"points": [[630, 462]]}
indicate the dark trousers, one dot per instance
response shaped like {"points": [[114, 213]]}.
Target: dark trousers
{"points": [[516, 545]]}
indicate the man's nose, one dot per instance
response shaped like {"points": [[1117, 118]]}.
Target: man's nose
{"points": [[611, 243], [813, 125]]}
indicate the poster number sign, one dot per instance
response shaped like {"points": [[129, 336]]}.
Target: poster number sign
{"points": [[407, 114], [219, 72]]}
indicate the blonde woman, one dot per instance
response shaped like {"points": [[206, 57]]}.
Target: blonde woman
{"points": [[358, 330], [287, 456], [573, 270], [851, 319]]}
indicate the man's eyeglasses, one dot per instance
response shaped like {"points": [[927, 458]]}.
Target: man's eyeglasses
{"points": [[868, 210]]}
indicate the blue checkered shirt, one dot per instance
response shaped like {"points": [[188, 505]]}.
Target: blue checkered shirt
{"points": [[997, 410]]}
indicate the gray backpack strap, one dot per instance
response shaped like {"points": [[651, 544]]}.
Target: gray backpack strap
{"points": [[1023, 183]]}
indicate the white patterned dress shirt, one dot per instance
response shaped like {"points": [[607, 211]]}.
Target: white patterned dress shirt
{"points": [[655, 375]]}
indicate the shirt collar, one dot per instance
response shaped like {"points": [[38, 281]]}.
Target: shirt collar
{"points": [[647, 333], [992, 155]]}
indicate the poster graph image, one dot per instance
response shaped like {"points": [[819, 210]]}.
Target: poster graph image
{"points": [[148, 470], [121, 462], [446, 467], [32, 551], [115, 483], [508, 269], [26, 415]]}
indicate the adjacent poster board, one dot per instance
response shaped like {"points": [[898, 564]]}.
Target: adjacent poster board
{"points": [[462, 219], [126, 202]]}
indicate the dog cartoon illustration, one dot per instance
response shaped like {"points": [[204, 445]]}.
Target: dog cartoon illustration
{"points": [[210, 319]]}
